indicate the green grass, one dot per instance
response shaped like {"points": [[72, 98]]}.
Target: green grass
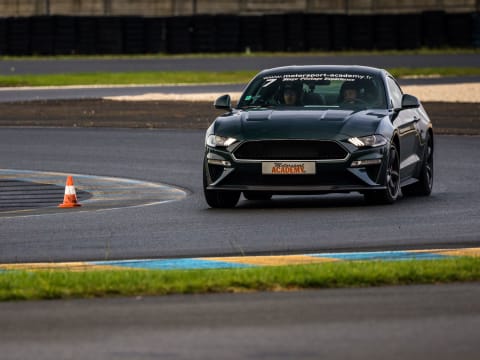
{"points": [[435, 71], [188, 77], [128, 78], [24, 285]]}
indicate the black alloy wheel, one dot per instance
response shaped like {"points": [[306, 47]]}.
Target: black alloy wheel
{"points": [[392, 181], [219, 198], [425, 180]]}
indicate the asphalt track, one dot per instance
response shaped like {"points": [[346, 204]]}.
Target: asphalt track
{"points": [[448, 218], [396, 323], [27, 193], [231, 63], [97, 92]]}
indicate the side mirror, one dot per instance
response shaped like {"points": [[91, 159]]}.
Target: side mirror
{"points": [[410, 102], [223, 102]]}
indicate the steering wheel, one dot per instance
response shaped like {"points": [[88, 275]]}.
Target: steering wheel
{"points": [[354, 103]]}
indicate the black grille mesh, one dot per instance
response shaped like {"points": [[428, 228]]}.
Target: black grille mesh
{"points": [[290, 150]]}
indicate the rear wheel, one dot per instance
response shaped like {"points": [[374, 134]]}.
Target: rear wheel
{"points": [[219, 198], [392, 182], [425, 181]]}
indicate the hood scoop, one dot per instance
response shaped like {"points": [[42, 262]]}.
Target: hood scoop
{"points": [[257, 115], [335, 115], [283, 115]]}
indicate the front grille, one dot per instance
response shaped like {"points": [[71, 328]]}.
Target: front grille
{"points": [[290, 150]]}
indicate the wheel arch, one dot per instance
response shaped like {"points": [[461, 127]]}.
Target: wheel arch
{"points": [[430, 135]]}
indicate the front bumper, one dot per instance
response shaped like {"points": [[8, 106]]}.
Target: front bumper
{"points": [[361, 171]]}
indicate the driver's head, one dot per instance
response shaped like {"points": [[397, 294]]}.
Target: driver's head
{"points": [[290, 94]]}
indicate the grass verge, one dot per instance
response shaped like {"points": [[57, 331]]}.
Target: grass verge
{"points": [[189, 77], [434, 71], [128, 78], [25, 285]]}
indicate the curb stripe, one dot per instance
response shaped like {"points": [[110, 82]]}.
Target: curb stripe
{"points": [[275, 260], [172, 264], [245, 261], [385, 256]]}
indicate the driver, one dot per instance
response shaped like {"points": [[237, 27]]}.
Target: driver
{"points": [[291, 94]]}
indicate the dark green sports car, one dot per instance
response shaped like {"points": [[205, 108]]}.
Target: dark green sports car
{"points": [[316, 130]]}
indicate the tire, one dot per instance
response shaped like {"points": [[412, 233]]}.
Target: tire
{"points": [[219, 198], [425, 181], [392, 181], [253, 195]]}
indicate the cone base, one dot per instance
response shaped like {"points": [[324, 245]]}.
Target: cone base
{"points": [[68, 205]]}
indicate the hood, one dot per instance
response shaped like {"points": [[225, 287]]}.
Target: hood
{"points": [[299, 124]]}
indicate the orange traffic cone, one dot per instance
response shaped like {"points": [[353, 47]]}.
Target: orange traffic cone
{"points": [[70, 198]]}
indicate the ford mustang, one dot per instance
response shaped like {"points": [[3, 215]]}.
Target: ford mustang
{"points": [[316, 130]]}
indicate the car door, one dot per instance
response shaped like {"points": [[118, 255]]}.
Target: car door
{"points": [[406, 122]]}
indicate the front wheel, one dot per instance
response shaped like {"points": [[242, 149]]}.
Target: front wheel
{"points": [[425, 181], [222, 199], [392, 181], [219, 198]]}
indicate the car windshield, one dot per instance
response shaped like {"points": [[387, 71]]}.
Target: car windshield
{"points": [[325, 89]]}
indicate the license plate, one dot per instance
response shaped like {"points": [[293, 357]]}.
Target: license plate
{"points": [[288, 168]]}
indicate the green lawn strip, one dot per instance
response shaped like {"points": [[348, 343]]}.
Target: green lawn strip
{"points": [[25, 285], [403, 72], [129, 78], [189, 77]]}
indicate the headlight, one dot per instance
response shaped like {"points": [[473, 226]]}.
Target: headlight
{"points": [[368, 141], [216, 140]]}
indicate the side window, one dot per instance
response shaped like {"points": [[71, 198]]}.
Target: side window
{"points": [[395, 93]]}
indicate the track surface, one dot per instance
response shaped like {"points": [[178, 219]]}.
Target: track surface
{"points": [[25, 193], [231, 63], [189, 228], [416, 322]]}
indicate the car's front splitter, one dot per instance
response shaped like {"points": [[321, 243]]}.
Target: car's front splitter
{"points": [[297, 190]]}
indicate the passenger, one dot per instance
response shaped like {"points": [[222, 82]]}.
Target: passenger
{"points": [[371, 94], [349, 93]]}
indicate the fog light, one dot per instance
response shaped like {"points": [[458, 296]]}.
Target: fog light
{"points": [[358, 163], [219, 162]]}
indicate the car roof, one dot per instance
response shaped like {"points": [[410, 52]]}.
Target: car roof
{"points": [[317, 68]]}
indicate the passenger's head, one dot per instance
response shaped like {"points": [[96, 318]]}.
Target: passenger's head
{"points": [[349, 92]]}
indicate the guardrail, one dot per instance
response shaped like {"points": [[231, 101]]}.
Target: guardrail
{"points": [[55, 35]]}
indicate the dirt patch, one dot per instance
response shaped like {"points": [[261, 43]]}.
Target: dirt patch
{"points": [[108, 113], [447, 117], [454, 118]]}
